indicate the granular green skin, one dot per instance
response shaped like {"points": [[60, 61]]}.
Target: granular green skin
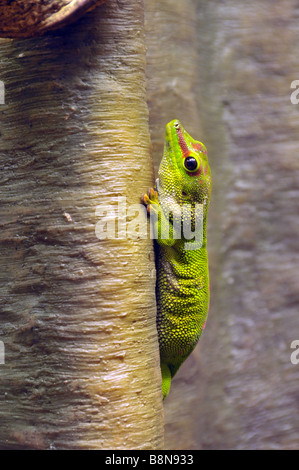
{"points": [[182, 303], [182, 288]]}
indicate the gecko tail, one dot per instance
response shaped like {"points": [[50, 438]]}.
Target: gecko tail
{"points": [[166, 379]]}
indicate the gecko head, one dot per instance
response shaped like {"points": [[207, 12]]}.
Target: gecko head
{"points": [[184, 168]]}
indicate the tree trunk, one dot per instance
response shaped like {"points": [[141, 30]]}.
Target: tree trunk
{"points": [[77, 312]]}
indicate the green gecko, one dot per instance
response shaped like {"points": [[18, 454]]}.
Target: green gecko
{"points": [[178, 207]]}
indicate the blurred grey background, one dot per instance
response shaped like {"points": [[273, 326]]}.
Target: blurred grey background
{"points": [[225, 70]]}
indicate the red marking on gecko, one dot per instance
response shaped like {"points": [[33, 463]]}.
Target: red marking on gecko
{"points": [[186, 151], [199, 148], [182, 143], [196, 173]]}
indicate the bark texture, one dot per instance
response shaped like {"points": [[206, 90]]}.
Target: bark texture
{"points": [[22, 19], [77, 313], [225, 69]]}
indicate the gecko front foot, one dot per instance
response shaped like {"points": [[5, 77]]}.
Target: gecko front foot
{"points": [[150, 199]]}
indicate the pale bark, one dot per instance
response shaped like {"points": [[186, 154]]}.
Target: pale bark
{"points": [[22, 19], [77, 313]]}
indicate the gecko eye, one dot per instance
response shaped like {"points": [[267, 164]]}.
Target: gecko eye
{"points": [[190, 164]]}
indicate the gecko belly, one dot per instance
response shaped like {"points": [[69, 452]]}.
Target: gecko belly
{"points": [[183, 299]]}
